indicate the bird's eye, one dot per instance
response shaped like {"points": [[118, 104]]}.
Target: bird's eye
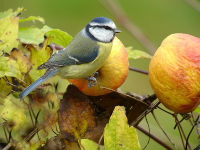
{"points": [[107, 27]]}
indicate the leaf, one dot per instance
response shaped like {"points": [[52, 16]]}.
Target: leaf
{"points": [[137, 54], [33, 18], [9, 31], [90, 145], [75, 115], [21, 60], [197, 110], [6, 13], [8, 112], [59, 37], [118, 135], [5, 90], [46, 28], [31, 35], [9, 67], [38, 57]]}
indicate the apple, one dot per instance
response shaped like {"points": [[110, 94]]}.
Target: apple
{"points": [[111, 75], [174, 72]]}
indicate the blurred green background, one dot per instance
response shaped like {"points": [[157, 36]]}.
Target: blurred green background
{"points": [[156, 18]]}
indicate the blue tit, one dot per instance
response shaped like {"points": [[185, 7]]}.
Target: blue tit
{"points": [[83, 56]]}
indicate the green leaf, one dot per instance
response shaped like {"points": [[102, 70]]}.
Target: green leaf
{"points": [[136, 54], [59, 37], [31, 35], [9, 67], [9, 31], [6, 13], [118, 135], [46, 28], [90, 145], [197, 110], [32, 18]]}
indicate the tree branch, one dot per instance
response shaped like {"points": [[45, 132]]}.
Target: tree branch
{"points": [[138, 70], [153, 137], [194, 4], [114, 8]]}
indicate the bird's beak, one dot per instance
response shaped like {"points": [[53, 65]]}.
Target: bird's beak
{"points": [[117, 30]]}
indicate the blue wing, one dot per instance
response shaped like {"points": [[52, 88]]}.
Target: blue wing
{"points": [[79, 51]]}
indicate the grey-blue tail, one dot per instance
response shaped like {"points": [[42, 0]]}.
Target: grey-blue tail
{"points": [[26, 91]]}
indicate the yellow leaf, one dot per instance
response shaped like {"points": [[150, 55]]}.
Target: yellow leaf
{"points": [[38, 57], [118, 135], [21, 60], [13, 111], [9, 67], [9, 31]]}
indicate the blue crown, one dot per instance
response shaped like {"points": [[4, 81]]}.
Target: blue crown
{"points": [[101, 20]]}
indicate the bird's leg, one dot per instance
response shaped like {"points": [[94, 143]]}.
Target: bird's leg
{"points": [[92, 80]]}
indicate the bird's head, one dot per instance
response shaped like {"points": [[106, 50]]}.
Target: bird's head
{"points": [[102, 29]]}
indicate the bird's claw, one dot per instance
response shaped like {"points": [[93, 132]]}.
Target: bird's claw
{"points": [[92, 81]]}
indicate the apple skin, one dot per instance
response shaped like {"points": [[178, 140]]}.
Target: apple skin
{"points": [[174, 72], [111, 75]]}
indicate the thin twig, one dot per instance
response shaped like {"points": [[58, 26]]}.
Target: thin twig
{"points": [[154, 116], [194, 4], [181, 131], [148, 131], [182, 141], [184, 117], [5, 133], [154, 138], [138, 100], [151, 107], [100, 139], [30, 135], [138, 70], [81, 145], [8, 146], [114, 8], [191, 132], [165, 110]]}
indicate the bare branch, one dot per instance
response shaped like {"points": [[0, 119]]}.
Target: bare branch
{"points": [[138, 70], [154, 116], [114, 8], [154, 137], [194, 4]]}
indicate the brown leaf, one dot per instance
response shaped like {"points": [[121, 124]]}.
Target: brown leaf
{"points": [[82, 116], [75, 116]]}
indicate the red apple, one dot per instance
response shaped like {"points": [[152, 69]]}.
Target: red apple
{"points": [[111, 75], [174, 72]]}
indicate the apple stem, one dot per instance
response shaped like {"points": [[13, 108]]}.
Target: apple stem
{"points": [[138, 70]]}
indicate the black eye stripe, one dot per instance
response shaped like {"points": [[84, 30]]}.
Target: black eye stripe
{"points": [[105, 27]]}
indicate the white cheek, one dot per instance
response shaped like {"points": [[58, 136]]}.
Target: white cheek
{"points": [[101, 34]]}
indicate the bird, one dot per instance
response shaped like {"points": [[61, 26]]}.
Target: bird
{"points": [[82, 57]]}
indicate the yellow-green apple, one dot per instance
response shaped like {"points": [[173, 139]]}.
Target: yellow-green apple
{"points": [[111, 75], [174, 72]]}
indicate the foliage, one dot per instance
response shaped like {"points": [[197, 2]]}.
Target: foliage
{"points": [[34, 120], [118, 135], [136, 54]]}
